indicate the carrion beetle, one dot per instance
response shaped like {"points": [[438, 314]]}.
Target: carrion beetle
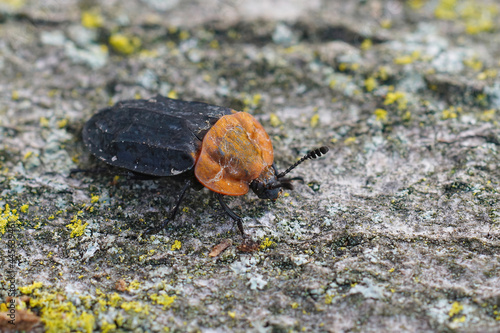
{"points": [[228, 152]]}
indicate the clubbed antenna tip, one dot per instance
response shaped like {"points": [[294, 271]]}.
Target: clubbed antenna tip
{"points": [[309, 156]]}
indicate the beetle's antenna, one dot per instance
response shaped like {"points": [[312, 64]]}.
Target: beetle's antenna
{"points": [[309, 156]]}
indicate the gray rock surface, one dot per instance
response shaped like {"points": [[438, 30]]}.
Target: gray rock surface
{"points": [[397, 229]]}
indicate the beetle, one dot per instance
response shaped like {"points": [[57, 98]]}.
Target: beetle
{"points": [[226, 151]]}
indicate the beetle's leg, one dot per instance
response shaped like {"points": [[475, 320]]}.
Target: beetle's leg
{"points": [[173, 212], [231, 214], [181, 197]]}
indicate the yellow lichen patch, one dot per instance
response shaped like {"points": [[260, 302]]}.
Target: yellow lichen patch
{"points": [[342, 67], [29, 289], [52, 93], [114, 299], [56, 313], [478, 17], [27, 155], [62, 320], [328, 299], [473, 63], [445, 10], [15, 4], [184, 34], [92, 19], [314, 120], [366, 44], [86, 321], [214, 44], [7, 215], [256, 99], [381, 114], [123, 44], [134, 285], [176, 246], [386, 24], [135, 306], [77, 226], [163, 299], [406, 116], [481, 99], [266, 243], [398, 97], [449, 113], [475, 27], [350, 140], [456, 308], [487, 74], [274, 120], [148, 53], [416, 4], [62, 123], [94, 198], [101, 305], [15, 95], [487, 115], [107, 327], [172, 94], [44, 122], [403, 60], [407, 59], [370, 84], [383, 73]]}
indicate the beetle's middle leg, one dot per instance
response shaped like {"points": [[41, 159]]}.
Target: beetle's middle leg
{"points": [[232, 214], [155, 229]]}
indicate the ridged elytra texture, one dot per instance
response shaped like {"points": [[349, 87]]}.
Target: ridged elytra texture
{"points": [[159, 136]]}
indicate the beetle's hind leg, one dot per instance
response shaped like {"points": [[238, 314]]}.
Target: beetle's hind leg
{"points": [[232, 214], [155, 229]]}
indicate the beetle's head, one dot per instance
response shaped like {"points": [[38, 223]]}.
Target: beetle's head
{"points": [[269, 184]]}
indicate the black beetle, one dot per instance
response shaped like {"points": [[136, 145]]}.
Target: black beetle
{"points": [[228, 152]]}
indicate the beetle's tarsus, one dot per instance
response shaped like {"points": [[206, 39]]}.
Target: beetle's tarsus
{"points": [[240, 228], [232, 214]]}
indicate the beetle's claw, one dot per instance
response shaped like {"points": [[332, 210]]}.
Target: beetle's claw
{"points": [[240, 228]]}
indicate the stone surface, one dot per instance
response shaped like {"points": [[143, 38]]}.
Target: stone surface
{"points": [[396, 229]]}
